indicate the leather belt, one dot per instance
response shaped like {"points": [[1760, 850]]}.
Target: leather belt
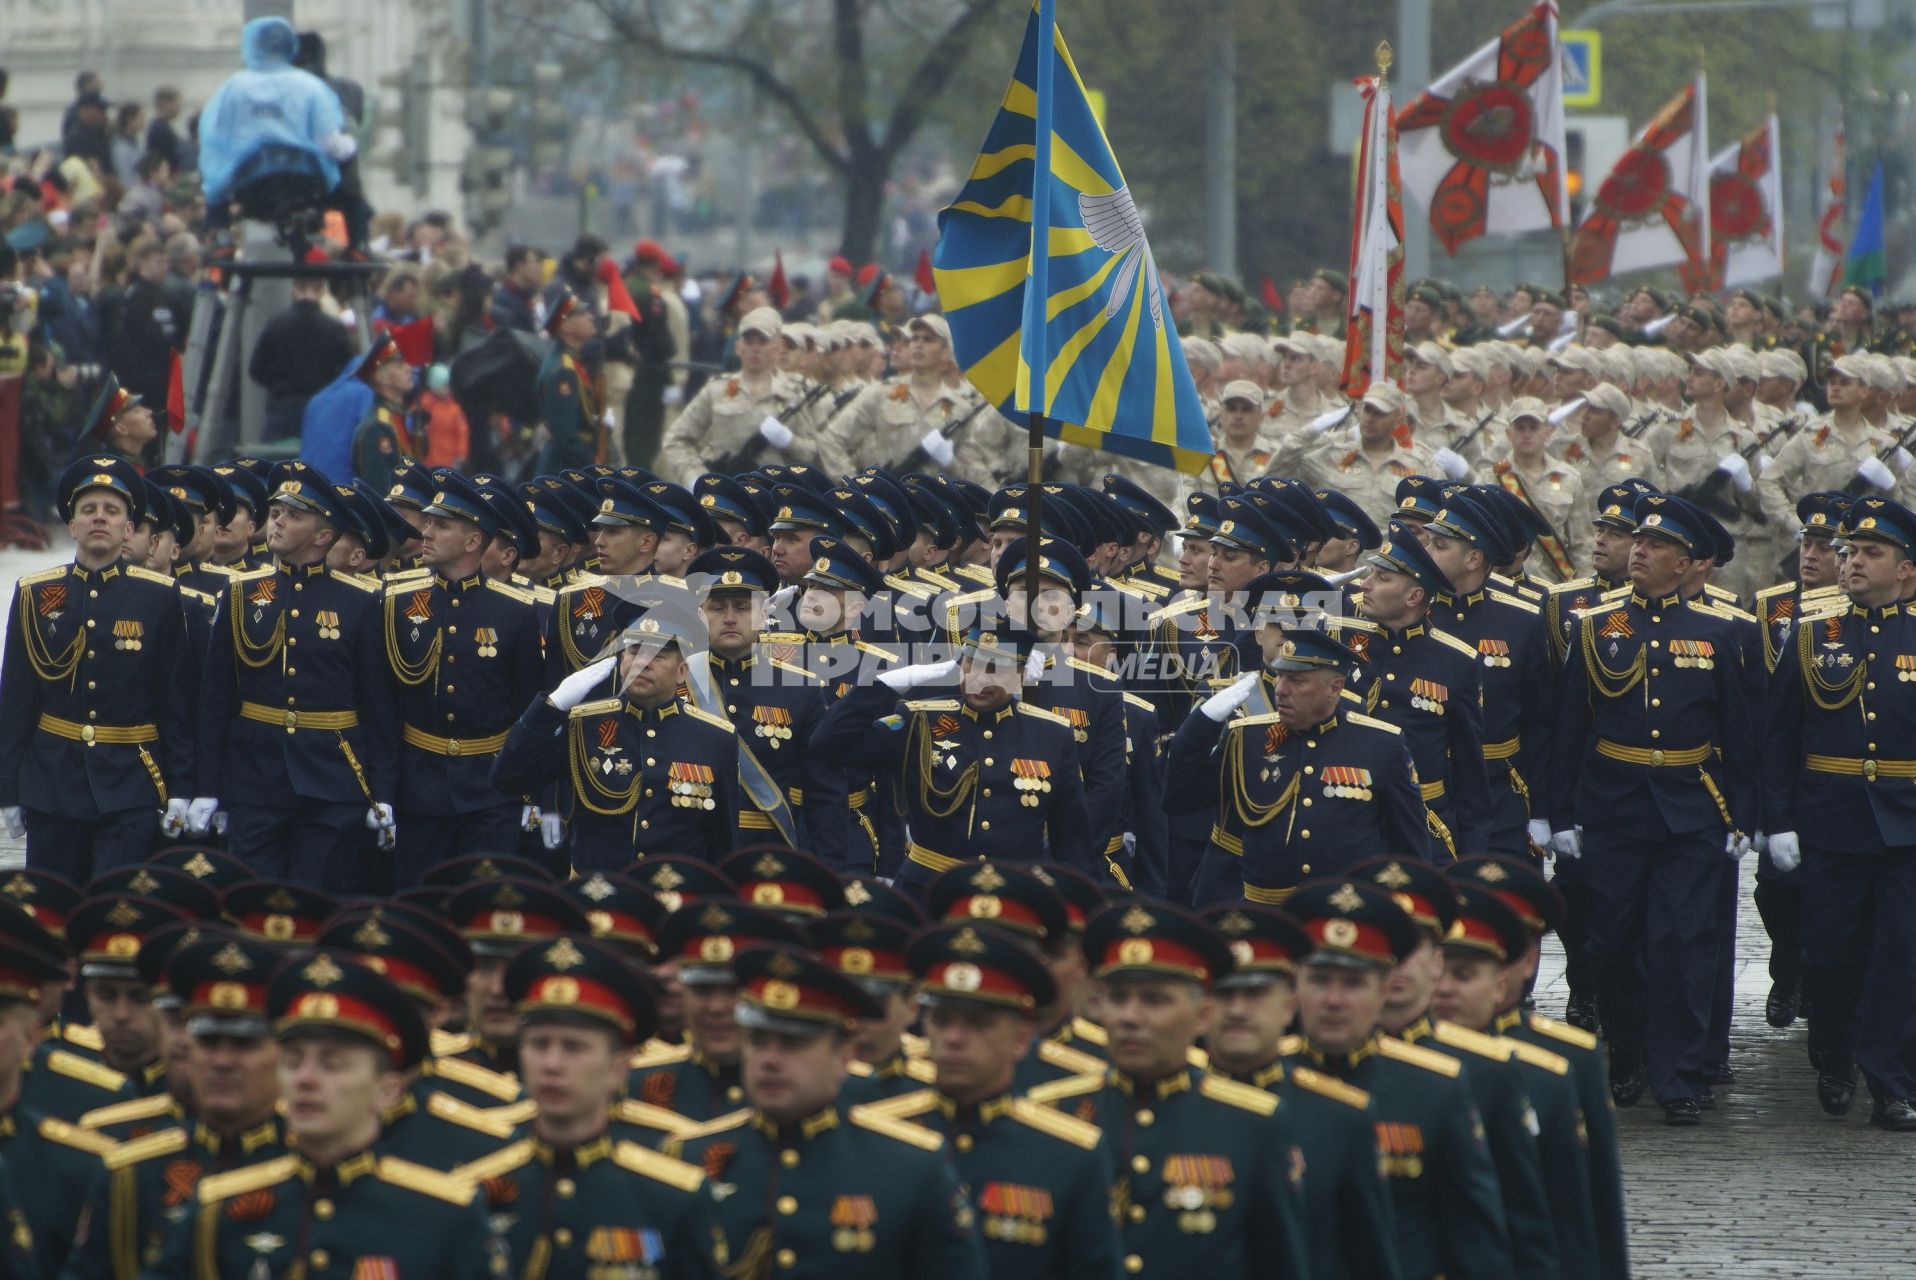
{"points": [[1226, 841], [1868, 770], [1504, 750], [452, 746], [95, 734], [924, 857], [289, 719], [1269, 897], [1655, 757], [1433, 790]]}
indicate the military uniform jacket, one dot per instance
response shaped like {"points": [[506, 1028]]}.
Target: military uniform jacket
{"points": [[1337, 460], [585, 617], [1092, 703], [1039, 1182], [1653, 732], [1839, 757], [1556, 494], [298, 702], [572, 408], [60, 1083], [684, 1081], [1444, 1198], [1148, 838], [469, 1070], [1563, 1150], [724, 417], [465, 658], [885, 423], [1560, 605], [633, 780], [1777, 609], [1429, 683], [366, 1216], [95, 711], [1294, 805], [149, 1190], [379, 442], [1004, 783], [843, 1195], [1191, 651], [1519, 698], [1510, 1130], [1600, 466], [1815, 459], [50, 1166], [1346, 1201], [1210, 1174], [774, 707], [604, 1208], [433, 1127]]}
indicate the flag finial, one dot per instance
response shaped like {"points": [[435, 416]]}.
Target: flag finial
{"points": [[1384, 57]]}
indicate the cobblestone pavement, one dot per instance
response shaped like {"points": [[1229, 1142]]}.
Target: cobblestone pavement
{"points": [[1768, 1186]]}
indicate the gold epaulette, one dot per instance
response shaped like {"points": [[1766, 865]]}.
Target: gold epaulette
{"points": [[1178, 608], [513, 1113], [648, 1163], [474, 1076], [1079, 664], [543, 595], [1269, 717], [659, 1055], [1087, 1030], [604, 706], [1505, 597], [1449, 1033], [163, 1143], [370, 586], [395, 1172], [1143, 586], [1057, 1124], [74, 1067], [645, 1115], [937, 580], [781, 637], [1329, 1087], [1142, 704], [253, 1177], [1370, 722], [718, 1124], [148, 575], [796, 670], [1290, 1045], [974, 572], [83, 1036], [45, 575], [899, 1130], [1724, 609], [1832, 592], [862, 1070], [916, 590], [932, 704], [1063, 1056], [521, 594], [72, 1135], [1070, 1087], [397, 586], [1824, 609], [1242, 1096], [1781, 588], [717, 721], [921, 1070], [1026, 709], [1538, 1056], [1418, 1056], [914, 1046], [152, 1108], [1444, 637], [447, 1043], [875, 651], [1721, 594], [1346, 622], [904, 1106], [1575, 584], [1198, 1058], [496, 1165], [1617, 593], [1561, 1031], [467, 1116], [1602, 606], [196, 596], [264, 571], [408, 575]]}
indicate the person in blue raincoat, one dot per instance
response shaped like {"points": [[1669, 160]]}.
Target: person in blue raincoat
{"points": [[269, 119]]}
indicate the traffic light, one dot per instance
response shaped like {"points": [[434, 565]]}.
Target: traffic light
{"points": [[1573, 171], [490, 158], [403, 125], [549, 124]]}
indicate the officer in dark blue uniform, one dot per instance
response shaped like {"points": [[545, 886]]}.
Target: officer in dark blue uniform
{"points": [[740, 519], [1303, 783], [209, 499], [382, 439], [1144, 835], [571, 388], [801, 514], [981, 772], [408, 495], [1654, 760], [562, 535], [464, 654], [1833, 800], [643, 771], [1614, 524], [1428, 683], [96, 730], [240, 543], [590, 613], [363, 543], [1519, 693], [1154, 522], [298, 729]]}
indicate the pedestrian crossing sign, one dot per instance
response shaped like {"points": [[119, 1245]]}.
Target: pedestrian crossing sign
{"points": [[1582, 68]]}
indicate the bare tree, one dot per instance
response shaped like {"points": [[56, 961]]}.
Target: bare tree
{"points": [[857, 78]]}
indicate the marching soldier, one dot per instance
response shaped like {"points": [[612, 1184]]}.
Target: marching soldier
{"points": [[1208, 1169], [740, 421], [297, 727], [1651, 760], [1346, 1202], [597, 605], [95, 735], [1612, 529], [1366, 463], [1601, 454], [464, 653], [1448, 1219], [1243, 452], [865, 938], [347, 1036], [381, 440], [572, 401], [239, 542], [1552, 491], [575, 1199], [851, 1194], [1831, 803], [1039, 1181], [891, 419], [105, 933], [209, 501], [1708, 441], [1841, 451]]}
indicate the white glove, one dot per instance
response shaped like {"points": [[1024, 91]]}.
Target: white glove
{"points": [[1325, 421], [1785, 852], [573, 689], [1873, 470], [1763, 462], [937, 448], [1736, 844], [380, 818], [551, 830], [174, 820], [1219, 706], [1034, 666], [199, 814], [674, 395], [611, 416], [1452, 462], [220, 820], [1737, 468], [1539, 833], [1567, 844], [1902, 458], [529, 817], [341, 146], [16, 824], [776, 433], [904, 678]]}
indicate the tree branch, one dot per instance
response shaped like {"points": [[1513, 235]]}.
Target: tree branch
{"points": [[933, 73], [854, 84]]}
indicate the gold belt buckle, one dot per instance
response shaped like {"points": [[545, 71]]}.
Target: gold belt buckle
{"points": [[452, 746], [1869, 770], [1656, 757], [291, 720], [86, 734]]}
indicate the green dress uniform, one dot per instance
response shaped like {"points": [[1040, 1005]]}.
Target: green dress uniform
{"points": [[64, 1085], [684, 1081], [572, 409], [431, 1127], [380, 442], [50, 1166]]}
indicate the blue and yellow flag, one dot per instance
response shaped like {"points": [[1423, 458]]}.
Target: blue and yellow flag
{"points": [[1115, 377]]}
